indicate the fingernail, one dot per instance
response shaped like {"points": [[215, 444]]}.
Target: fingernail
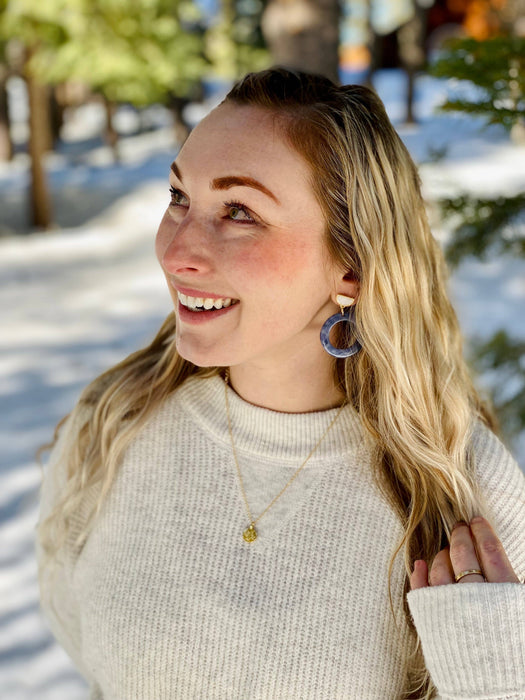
{"points": [[477, 519], [459, 523]]}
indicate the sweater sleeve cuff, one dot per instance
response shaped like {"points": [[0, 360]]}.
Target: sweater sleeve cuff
{"points": [[473, 638]]}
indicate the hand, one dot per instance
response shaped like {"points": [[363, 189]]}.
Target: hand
{"points": [[474, 547]]}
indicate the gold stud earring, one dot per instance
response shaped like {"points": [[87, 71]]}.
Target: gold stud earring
{"points": [[344, 301]]}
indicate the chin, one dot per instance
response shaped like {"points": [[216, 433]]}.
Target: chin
{"points": [[201, 357]]}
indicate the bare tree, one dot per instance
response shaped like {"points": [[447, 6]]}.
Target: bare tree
{"points": [[6, 143], [304, 34], [412, 53], [38, 144]]}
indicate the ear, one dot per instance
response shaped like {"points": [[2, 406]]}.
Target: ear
{"points": [[347, 286]]}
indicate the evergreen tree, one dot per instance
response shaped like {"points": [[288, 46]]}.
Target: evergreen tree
{"points": [[493, 72], [32, 26], [493, 87], [134, 51], [503, 357]]}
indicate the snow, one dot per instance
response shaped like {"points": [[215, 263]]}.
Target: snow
{"points": [[78, 299]]}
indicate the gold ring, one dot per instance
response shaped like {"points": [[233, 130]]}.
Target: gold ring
{"points": [[466, 573]]}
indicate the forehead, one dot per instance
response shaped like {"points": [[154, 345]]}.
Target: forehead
{"points": [[246, 140]]}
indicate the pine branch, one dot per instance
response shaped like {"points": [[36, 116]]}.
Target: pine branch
{"points": [[495, 225], [489, 75], [504, 358]]}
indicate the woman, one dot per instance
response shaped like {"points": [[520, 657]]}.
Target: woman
{"points": [[240, 510]]}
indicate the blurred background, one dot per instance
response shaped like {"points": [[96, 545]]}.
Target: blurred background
{"points": [[96, 97]]}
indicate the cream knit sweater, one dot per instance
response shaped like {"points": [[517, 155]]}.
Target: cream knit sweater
{"points": [[167, 601]]}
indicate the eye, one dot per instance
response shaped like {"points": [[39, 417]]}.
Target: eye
{"points": [[178, 198], [238, 212]]}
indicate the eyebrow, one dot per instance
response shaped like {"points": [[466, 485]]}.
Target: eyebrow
{"points": [[224, 183]]}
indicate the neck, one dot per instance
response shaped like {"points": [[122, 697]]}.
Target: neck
{"points": [[289, 388]]}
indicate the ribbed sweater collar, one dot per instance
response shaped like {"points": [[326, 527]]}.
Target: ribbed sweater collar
{"points": [[267, 434]]}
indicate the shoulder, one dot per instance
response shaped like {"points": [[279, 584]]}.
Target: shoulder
{"points": [[502, 486], [57, 469]]}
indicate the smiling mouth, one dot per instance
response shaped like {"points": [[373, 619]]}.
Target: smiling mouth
{"points": [[205, 304]]}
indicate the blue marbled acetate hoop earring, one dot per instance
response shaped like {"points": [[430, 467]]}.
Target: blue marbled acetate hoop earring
{"points": [[346, 316]]}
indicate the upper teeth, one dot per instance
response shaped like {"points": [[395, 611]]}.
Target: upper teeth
{"points": [[202, 303]]}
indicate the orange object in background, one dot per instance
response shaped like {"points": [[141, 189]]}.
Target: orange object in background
{"points": [[354, 57], [481, 18]]}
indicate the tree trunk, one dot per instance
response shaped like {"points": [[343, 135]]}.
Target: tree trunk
{"points": [[6, 143], [304, 35], [111, 132], [375, 48], [56, 111], [181, 129], [412, 53], [38, 137]]}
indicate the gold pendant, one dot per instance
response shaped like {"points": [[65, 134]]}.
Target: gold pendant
{"points": [[250, 534]]}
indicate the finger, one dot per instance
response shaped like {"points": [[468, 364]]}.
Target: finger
{"points": [[492, 556], [463, 554], [441, 571], [419, 577]]}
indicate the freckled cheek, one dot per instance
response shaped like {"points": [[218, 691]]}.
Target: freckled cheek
{"points": [[269, 263], [281, 267]]}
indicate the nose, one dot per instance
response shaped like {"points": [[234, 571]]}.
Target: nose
{"points": [[183, 247]]}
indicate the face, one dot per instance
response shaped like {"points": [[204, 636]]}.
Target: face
{"points": [[242, 244]]}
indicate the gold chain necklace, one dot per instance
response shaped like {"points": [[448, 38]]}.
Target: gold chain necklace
{"points": [[250, 533]]}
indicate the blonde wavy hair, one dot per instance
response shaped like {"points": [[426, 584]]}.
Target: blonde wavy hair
{"points": [[409, 384]]}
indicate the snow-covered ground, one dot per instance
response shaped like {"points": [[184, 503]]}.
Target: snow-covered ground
{"points": [[78, 299]]}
